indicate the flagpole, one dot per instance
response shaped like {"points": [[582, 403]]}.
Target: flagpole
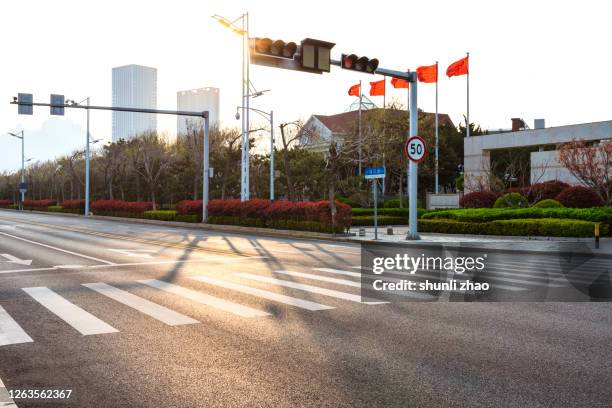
{"points": [[437, 139], [384, 129], [360, 99], [467, 125]]}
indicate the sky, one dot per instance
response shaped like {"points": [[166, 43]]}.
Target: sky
{"points": [[528, 59]]}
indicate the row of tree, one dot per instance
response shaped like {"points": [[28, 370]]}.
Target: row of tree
{"points": [[151, 168]]}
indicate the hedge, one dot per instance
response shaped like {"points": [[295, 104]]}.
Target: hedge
{"points": [[38, 204], [598, 214], [269, 212], [313, 226], [478, 199], [5, 203], [163, 215], [366, 220], [511, 200], [520, 227], [74, 204], [119, 208], [392, 212], [548, 203]]}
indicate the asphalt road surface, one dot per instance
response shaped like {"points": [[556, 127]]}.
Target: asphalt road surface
{"points": [[134, 315]]}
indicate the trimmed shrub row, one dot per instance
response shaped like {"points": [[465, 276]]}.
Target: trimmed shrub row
{"points": [[270, 211], [313, 226], [599, 214], [5, 203], [392, 212], [119, 208], [38, 204], [163, 215], [521, 227]]}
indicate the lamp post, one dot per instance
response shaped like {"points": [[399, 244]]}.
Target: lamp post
{"points": [[243, 31], [22, 189], [270, 117], [72, 102]]}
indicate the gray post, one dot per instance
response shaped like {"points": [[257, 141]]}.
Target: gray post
{"points": [[87, 165], [205, 174], [375, 191], [467, 125], [247, 165], [437, 138], [271, 155], [412, 166], [22, 166]]}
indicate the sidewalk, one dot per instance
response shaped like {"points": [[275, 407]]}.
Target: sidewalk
{"points": [[518, 243]]}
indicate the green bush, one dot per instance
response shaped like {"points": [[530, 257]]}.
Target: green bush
{"points": [[312, 226], [511, 200], [548, 203], [598, 214], [366, 220], [55, 208], [393, 203], [348, 201], [188, 218], [163, 215], [519, 227], [392, 212]]}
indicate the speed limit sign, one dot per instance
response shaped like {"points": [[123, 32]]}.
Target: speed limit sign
{"points": [[416, 149]]}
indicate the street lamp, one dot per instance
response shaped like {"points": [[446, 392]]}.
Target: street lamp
{"points": [[242, 30], [73, 103], [270, 117], [22, 188]]}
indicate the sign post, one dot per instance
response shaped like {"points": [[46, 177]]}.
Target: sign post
{"points": [[373, 174], [415, 151]]}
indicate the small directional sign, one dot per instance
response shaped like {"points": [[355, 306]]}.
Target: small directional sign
{"points": [[416, 149], [25, 104], [57, 100], [374, 172]]}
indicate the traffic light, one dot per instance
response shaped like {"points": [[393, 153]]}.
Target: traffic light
{"points": [[278, 48], [311, 55], [361, 64]]}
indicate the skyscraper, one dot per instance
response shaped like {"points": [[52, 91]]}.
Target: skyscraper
{"points": [[197, 100], [134, 86]]}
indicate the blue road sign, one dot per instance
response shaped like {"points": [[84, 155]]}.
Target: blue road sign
{"points": [[57, 100], [25, 99], [374, 172], [22, 186]]}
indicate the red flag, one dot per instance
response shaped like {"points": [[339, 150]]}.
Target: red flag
{"points": [[428, 74], [354, 90], [377, 88], [399, 83], [458, 68]]}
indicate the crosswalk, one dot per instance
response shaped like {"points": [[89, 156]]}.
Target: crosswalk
{"points": [[313, 290]]}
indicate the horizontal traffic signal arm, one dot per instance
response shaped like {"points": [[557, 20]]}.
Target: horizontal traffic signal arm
{"points": [[278, 48], [361, 64]]}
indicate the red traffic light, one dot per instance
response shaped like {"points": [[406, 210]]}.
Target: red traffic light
{"points": [[362, 64]]}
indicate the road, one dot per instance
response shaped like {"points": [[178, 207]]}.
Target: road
{"points": [[135, 315]]}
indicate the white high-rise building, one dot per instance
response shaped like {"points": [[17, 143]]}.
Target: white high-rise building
{"points": [[197, 100], [134, 86]]}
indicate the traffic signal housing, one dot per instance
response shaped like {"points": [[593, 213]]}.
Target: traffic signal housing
{"points": [[361, 64], [311, 55]]}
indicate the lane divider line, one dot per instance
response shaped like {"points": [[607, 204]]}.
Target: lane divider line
{"points": [[58, 249]]}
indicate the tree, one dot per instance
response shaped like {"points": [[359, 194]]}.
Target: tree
{"points": [[153, 159], [591, 164]]}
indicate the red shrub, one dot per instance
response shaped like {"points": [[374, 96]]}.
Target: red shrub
{"points": [[118, 206], [5, 203], [479, 199], [579, 197], [546, 190], [279, 210], [38, 203], [74, 204]]}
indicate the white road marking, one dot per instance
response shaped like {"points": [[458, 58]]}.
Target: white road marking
{"points": [[58, 249], [161, 313], [310, 288], [204, 299], [5, 400], [339, 272], [83, 321], [321, 278], [140, 253], [304, 304], [30, 270], [10, 331], [13, 259]]}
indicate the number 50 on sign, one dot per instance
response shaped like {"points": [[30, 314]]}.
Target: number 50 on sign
{"points": [[416, 149]]}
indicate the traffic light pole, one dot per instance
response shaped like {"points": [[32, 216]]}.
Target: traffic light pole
{"points": [[413, 166]]}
